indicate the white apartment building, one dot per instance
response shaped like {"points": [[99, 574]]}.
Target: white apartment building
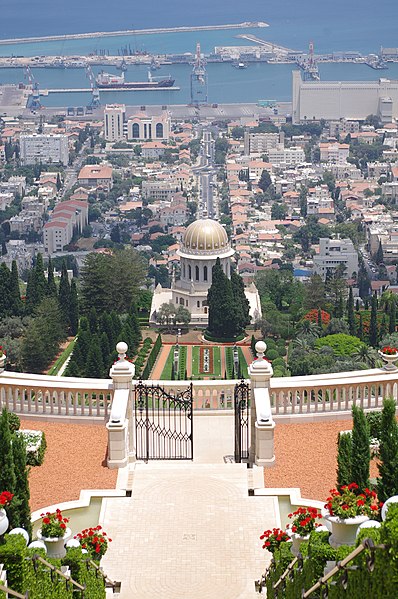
{"points": [[6, 199], [334, 252], [281, 156], [343, 127], [14, 185], [44, 148], [335, 100], [159, 190], [260, 143], [334, 152], [114, 119]]}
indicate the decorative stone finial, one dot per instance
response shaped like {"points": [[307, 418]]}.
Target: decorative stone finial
{"points": [[121, 349], [261, 348]]}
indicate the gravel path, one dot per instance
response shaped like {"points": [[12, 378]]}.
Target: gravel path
{"points": [[306, 457], [75, 459]]}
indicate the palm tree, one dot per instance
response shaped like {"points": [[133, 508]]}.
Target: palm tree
{"points": [[367, 355], [307, 327]]}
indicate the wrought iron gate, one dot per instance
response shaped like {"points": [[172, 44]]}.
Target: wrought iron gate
{"points": [[242, 422], [163, 423]]}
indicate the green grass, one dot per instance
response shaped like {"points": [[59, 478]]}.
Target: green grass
{"points": [[62, 358], [242, 364], [166, 373], [229, 360], [195, 361]]}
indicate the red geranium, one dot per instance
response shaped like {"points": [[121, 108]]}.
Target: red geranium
{"points": [[305, 520], [350, 502], [53, 524], [273, 539], [94, 540], [5, 498], [389, 351]]}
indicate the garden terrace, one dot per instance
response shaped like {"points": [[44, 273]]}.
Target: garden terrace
{"points": [[41, 395]]}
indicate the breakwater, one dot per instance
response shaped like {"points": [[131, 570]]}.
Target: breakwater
{"points": [[76, 36]]}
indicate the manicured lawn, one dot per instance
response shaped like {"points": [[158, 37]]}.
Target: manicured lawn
{"points": [[62, 359], [166, 374], [242, 364], [196, 363]]}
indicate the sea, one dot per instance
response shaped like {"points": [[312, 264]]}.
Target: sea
{"points": [[341, 25]]}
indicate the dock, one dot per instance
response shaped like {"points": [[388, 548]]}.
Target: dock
{"points": [[72, 90]]}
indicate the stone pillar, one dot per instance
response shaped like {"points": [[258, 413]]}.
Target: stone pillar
{"points": [[261, 422], [121, 440]]}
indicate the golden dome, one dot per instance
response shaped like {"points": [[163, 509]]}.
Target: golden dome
{"points": [[205, 235]]}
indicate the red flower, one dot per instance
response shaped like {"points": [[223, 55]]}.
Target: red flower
{"points": [[46, 520]]}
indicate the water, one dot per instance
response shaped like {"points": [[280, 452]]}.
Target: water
{"points": [[340, 25]]}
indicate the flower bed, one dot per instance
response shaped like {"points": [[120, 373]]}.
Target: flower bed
{"points": [[35, 443]]}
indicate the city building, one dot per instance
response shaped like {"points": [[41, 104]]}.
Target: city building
{"points": [[335, 100], [114, 119], [67, 217], [333, 253], [143, 127], [96, 175], [260, 143], [334, 152], [37, 148], [204, 241], [281, 156]]}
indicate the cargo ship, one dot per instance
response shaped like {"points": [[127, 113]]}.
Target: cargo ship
{"points": [[108, 80]]}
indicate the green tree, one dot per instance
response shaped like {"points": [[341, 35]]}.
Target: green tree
{"points": [[392, 316], [223, 314], [387, 483], [21, 513], [5, 283], [64, 295], [344, 456], [16, 306], [95, 366], [40, 279], [373, 333], [379, 257], [264, 181], [360, 460], [350, 313], [360, 333], [315, 293], [51, 286], [93, 321], [241, 301], [7, 473], [73, 308]]}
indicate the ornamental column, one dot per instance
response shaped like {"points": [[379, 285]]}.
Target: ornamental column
{"points": [[121, 433], [261, 421]]}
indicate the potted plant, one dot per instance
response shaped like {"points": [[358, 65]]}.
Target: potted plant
{"points": [[274, 538], [347, 509], [94, 540], [5, 500], [304, 522], [389, 355], [3, 357], [54, 532]]}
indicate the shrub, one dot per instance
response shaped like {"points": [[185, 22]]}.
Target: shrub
{"points": [[344, 453], [36, 444], [272, 354], [342, 345], [13, 422], [374, 420]]}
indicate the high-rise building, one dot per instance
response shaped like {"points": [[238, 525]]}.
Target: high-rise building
{"points": [[37, 148], [114, 118]]}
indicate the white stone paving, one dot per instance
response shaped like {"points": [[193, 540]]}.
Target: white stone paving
{"points": [[188, 531]]}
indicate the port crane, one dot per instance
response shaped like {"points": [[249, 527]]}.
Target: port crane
{"points": [[34, 98], [309, 65], [95, 94], [198, 79]]}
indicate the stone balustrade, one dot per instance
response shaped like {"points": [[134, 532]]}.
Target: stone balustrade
{"points": [[34, 394]]}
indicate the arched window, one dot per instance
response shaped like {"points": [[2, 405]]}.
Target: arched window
{"points": [[189, 272], [136, 131], [197, 273], [159, 130], [205, 273]]}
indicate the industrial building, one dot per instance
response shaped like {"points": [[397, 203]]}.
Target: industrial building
{"points": [[335, 100]]}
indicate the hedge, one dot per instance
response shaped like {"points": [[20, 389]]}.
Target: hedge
{"points": [[152, 358], [36, 444], [380, 583], [23, 576]]}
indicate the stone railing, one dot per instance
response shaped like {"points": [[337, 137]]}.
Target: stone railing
{"points": [[35, 394]]}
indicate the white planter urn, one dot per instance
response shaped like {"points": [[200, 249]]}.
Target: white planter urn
{"points": [[296, 542], [2, 363], [389, 359], [344, 531], [4, 523], [55, 545]]}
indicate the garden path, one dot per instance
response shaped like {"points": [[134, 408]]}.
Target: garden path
{"points": [[160, 362], [188, 530], [189, 360]]}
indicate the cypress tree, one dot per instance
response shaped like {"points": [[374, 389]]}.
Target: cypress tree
{"points": [[105, 350], [366, 306], [383, 326], [32, 298], [72, 369], [379, 258], [51, 286], [392, 316], [223, 314], [16, 306], [5, 290], [73, 309], [319, 320], [84, 324], [344, 454], [116, 323], [95, 364], [387, 484], [40, 279], [241, 301], [350, 313], [22, 510], [93, 321], [106, 326], [339, 309], [373, 323], [7, 472], [59, 183], [360, 457], [360, 327], [64, 295], [357, 305]]}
